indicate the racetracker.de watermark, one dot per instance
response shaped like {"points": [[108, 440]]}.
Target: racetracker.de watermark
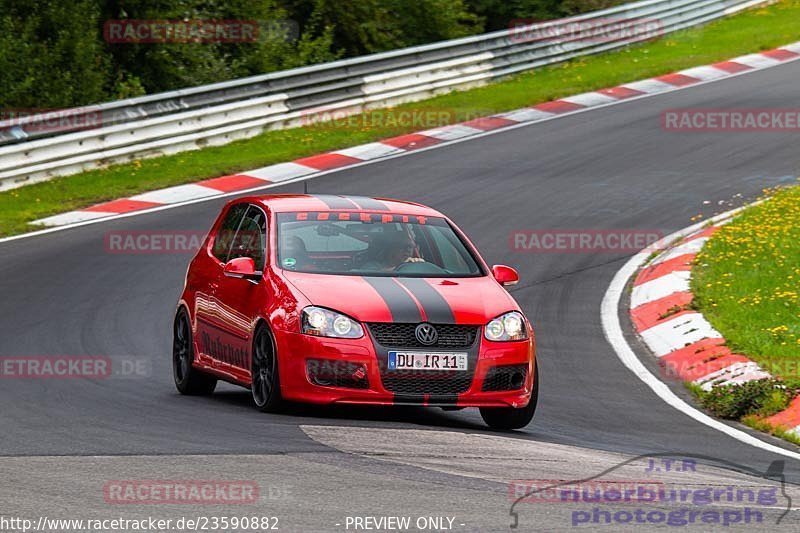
{"points": [[731, 120], [599, 30], [380, 118], [39, 120], [719, 358], [74, 367], [153, 242], [208, 492], [583, 241], [141, 31]]}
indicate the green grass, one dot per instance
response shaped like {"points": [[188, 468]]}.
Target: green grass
{"points": [[758, 424], [762, 398], [752, 31], [745, 282], [749, 403]]}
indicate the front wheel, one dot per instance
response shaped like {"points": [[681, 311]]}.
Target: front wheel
{"points": [[265, 383], [188, 380], [505, 418]]}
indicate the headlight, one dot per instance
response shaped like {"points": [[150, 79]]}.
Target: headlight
{"points": [[507, 327], [323, 322]]}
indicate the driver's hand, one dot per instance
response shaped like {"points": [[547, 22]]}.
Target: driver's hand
{"points": [[415, 260]]}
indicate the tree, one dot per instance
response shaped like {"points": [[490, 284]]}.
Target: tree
{"points": [[427, 21], [51, 54], [162, 66], [368, 26], [56, 54]]}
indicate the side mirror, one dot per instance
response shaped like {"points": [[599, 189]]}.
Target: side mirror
{"points": [[505, 275], [242, 267]]}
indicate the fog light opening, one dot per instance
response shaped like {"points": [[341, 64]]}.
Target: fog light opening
{"points": [[360, 373], [333, 373]]}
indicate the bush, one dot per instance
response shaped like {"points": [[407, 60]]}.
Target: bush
{"points": [[53, 53], [762, 397]]}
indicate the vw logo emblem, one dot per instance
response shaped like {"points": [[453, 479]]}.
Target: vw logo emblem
{"points": [[426, 334]]}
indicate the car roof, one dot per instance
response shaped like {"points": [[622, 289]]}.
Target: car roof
{"points": [[289, 203]]}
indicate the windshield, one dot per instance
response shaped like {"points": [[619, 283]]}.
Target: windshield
{"points": [[368, 244]]}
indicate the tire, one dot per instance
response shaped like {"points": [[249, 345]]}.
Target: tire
{"points": [[188, 380], [265, 384], [506, 418]]}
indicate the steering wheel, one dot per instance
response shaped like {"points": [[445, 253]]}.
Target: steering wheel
{"points": [[421, 267], [404, 266]]}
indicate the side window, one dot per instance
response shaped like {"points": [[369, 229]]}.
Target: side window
{"points": [[226, 231], [250, 240]]}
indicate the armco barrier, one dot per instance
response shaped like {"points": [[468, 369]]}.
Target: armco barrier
{"points": [[223, 112]]}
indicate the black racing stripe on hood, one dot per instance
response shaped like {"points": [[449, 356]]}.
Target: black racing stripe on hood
{"points": [[369, 204], [435, 306], [402, 307], [336, 202]]}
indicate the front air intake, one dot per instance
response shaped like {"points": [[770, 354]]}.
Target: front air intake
{"points": [[504, 378], [332, 373]]}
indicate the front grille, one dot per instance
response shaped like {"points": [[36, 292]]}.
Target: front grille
{"points": [[329, 373], [500, 378], [402, 335], [430, 382]]}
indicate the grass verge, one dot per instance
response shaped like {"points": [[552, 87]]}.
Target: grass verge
{"points": [[745, 281], [752, 31], [758, 424], [749, 403], [759, 398]]}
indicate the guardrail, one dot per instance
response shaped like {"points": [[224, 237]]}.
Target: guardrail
{"points": [[216, 114]]}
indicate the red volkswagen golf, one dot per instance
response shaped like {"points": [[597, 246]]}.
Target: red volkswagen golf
{"points": [[343, 299]]}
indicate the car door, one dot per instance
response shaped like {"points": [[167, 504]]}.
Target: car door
{"points": [[208, 317], [240, 300]]}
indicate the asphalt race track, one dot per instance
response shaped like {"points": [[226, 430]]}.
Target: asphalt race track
{"points": [[64, 294]]}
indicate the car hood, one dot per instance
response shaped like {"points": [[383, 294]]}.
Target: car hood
{"points": [[409, 300]]}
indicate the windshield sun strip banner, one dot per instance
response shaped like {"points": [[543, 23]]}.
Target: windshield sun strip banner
{"points": [[366, 217]]}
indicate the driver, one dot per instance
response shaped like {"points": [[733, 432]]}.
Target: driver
{"points": [[387, 251]]}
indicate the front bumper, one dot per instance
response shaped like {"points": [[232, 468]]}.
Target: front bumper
{"points": [[299, 355]]}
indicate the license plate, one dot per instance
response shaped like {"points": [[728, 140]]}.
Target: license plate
{"points": [[427, 361]]}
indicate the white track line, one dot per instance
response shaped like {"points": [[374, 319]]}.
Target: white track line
{"points": [[612, 327], [317, 174], [609, 307]]}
